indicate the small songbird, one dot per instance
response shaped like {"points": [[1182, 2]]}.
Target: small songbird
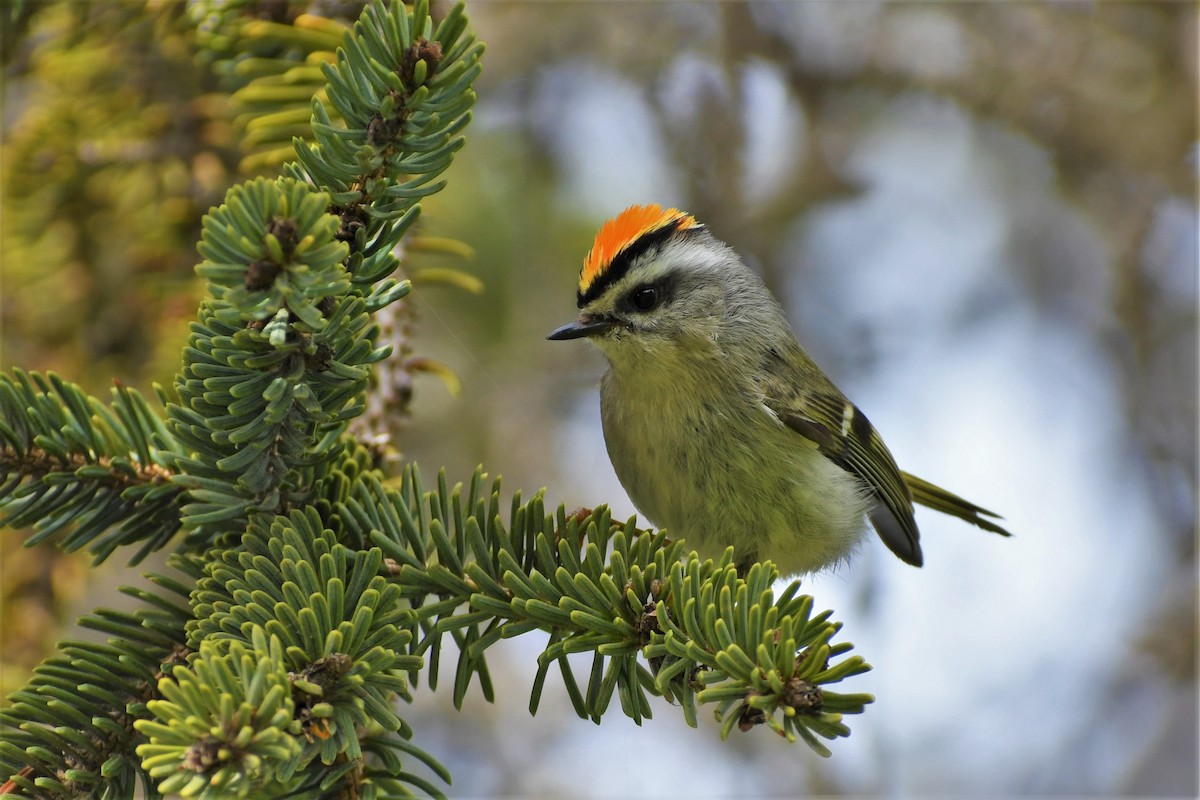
{"points": [[719, 426]]}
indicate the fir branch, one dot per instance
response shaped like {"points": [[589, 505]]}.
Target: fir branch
{"points": [[343, 629], [278, 361], [278, 272], [276, 365], [96, 474], [706, 634], [225, 725], [402, 88], [70, 731]]}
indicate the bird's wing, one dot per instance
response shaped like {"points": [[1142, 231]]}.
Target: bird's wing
{"points": [[846, 437]]}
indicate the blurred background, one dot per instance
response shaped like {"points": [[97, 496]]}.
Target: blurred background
{"points": [[982, 220]]}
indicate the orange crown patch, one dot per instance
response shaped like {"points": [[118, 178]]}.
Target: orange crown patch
{"points": [[622, 231]]}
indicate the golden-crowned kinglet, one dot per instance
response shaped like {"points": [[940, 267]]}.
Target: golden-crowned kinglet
{"points": [[719, 426]]}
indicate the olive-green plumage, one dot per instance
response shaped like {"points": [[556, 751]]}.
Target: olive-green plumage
{"points": [[719, 425]]}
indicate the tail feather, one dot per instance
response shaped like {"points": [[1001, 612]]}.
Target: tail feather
{"points": [[939, 499]]}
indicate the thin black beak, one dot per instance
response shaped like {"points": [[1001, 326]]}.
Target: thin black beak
{"points": [[580, 328]]}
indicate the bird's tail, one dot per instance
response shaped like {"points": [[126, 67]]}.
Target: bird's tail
{"points": [[939, 499]]}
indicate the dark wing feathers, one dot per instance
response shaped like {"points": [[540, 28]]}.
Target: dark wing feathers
{"points": [[845, 436]]}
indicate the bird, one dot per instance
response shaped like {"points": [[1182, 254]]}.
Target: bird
{"points": [[719, 426]]}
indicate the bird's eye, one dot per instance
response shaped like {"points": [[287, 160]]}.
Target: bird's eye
{"points": [[644, 298]]}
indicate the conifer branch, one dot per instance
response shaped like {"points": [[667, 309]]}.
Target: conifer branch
{"points": [[95, 476], [705, 634], [70, 731], [277, 364]]}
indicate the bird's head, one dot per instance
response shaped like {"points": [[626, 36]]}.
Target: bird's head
{"points": [[655, 281]]}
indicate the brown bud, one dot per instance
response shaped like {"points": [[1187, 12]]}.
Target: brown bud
{"points": [[260, 274], [421, 50], [352, 221], [287, 233], [382, 131], [320, 360], [750, 717], [802, 696]]}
